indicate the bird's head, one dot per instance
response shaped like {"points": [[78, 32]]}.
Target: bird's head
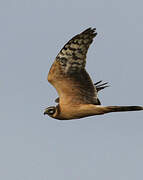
{"points": [[51, 111]]}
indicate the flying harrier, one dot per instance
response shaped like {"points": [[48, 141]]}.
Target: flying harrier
{"points": [[78, 96]]}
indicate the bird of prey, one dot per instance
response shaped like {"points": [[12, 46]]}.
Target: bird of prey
{"points": [[78, 96]]}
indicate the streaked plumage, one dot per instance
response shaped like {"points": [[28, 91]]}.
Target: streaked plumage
{"points": [[78, 96]]}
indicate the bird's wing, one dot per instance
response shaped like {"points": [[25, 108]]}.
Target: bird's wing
{"points": [[100, 86], [68, 74]]}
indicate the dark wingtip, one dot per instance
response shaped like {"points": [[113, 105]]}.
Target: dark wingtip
{"points": [[100, 86], [98, 82], [91, 31]]}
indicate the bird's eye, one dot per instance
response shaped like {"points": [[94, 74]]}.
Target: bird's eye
{"points": [[51, 110]]}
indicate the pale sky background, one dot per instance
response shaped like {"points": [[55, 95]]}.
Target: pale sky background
{"points": [[37, 147]]}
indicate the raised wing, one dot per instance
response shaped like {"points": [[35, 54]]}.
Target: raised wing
{"points": [[68, 74], [72, 57]]}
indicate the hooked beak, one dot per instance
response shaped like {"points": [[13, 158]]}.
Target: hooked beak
{"points": [[45, 112]]}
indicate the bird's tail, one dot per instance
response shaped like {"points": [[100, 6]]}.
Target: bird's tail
{"points": [[108, 109], [91, 109]]}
